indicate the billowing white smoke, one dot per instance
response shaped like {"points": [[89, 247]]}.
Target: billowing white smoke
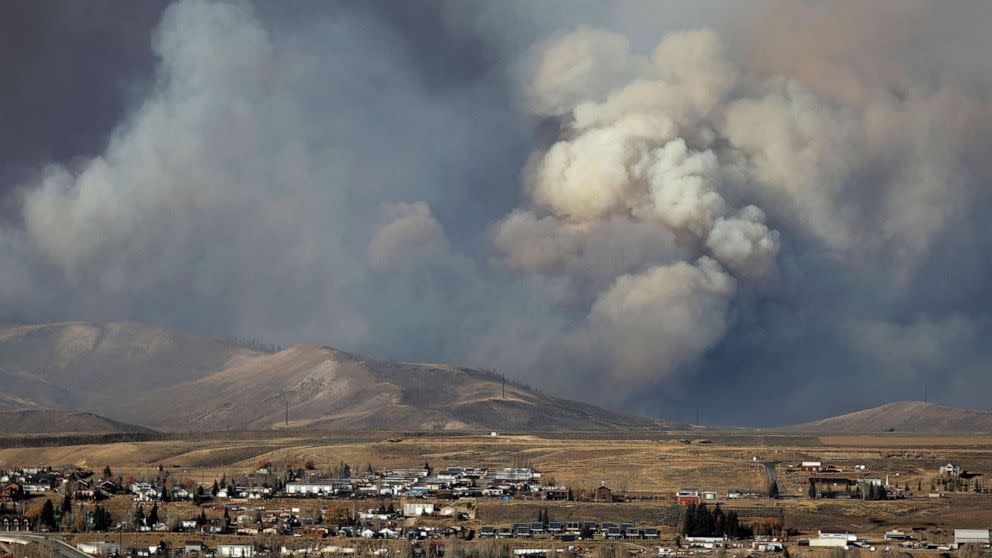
{"points": [[645, 152], [715, 155], [295, 183]]}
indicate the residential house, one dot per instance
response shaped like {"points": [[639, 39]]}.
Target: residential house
{"points": [[687, 496], [15, 523], [417, 509], [12, 491], [99, 548], [602, 494], [236, 550], [950, 470]]}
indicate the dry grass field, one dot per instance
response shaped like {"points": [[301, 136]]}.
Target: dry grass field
{"points": [[649, 467]]}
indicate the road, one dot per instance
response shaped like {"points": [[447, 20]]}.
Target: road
{"points": [[64, 549]]}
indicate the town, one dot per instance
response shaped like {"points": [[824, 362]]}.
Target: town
{"points": [[308, 508]]}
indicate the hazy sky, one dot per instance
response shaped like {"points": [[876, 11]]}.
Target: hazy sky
{"points": [[775, 209]]}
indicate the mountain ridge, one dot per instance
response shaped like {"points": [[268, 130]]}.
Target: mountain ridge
{"points": [[175, 381], [59, 421], [912, 417]]}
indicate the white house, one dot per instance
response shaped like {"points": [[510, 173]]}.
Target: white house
{"points": [[99, 548], [950, 470], [417, 509], [705, 542], [304, 488], [236, 550]]}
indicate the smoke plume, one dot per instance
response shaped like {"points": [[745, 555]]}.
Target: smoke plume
{"points": [[644, 205]]}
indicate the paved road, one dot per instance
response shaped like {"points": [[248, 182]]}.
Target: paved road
{"points": [[64, 549]]}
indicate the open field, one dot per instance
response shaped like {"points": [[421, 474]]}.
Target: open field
{"points": [[648, 467]]}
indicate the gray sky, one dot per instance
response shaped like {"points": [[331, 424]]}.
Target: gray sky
{"points": [[642, 205]]}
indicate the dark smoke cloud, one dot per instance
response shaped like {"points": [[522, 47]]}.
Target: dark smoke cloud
{"points": [[771, 212]]}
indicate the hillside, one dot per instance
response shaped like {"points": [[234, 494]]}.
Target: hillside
{"points": [[169, 380], [913, 417], [48, 421]]}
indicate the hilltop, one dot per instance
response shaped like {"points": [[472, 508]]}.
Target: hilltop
{"points": [[51, 421], [915, 417], [176, 381]]}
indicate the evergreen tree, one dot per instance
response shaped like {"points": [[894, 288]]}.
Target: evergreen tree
{"points": [[689, 521], [703, 521], [48, 515], [101, 519], [719, 520], [586, 532], [202, 520], [66, 506], [811, 492], [153, 515], [214, 489], [346, 471], [107, 473], [138, 519]]}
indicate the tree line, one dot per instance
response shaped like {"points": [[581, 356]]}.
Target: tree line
{"points": [[699, 521]]}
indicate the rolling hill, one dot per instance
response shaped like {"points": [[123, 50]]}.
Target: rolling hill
{"points": [[49, 421], [911, 417], [175, 381]]}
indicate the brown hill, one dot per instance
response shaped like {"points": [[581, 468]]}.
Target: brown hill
{"points": [[50, 421], [175, 381], [913, 417]]}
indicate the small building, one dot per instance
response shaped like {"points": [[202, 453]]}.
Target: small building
{"points": [[99, 548], [687, 496], [417, 509], [971, 536], [236, 550], [705, 542], [12, 491], [817, 467], [602, 494], [15, 523], [950, 470], [708, 495], [897, 535]]}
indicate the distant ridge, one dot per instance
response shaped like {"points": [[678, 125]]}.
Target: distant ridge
{"points": [[912, 417], [175, 381], [53, 421]]}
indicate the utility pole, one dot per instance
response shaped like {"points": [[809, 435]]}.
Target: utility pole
{"points": [[697, 414], [287, 412]]}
